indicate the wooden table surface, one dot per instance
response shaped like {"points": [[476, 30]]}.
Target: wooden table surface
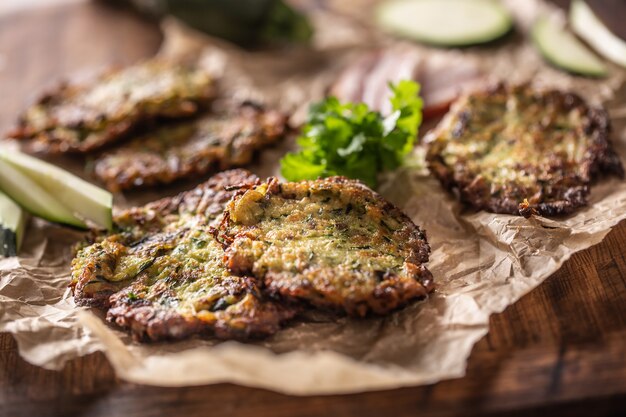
{"points": [[560, 350]]}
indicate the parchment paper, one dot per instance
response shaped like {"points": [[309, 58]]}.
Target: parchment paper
{"points": [[482, 262]]}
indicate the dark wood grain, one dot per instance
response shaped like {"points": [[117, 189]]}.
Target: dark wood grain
{"points": [[609, 13], [560, 350], [39, 48]]}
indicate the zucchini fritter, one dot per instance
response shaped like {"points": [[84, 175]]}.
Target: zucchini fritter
{"points": [[161, 275], [518, 150], [81, 118], [221, 140], [187, 265], [332, 243]]}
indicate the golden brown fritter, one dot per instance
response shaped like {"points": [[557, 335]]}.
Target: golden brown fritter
{"points": [[161, 274], [186, 265], [332, 243], [519, 150], [82, 118], [223, 139]]}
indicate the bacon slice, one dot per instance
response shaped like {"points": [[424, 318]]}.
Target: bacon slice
{"points": [[443, 78]]}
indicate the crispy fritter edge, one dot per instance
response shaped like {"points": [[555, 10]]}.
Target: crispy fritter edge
{"points": [[389, 300], [49, 143], [601, 160], [119, 181], [147, 323]]}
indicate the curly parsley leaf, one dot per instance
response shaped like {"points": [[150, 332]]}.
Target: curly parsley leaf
{"points": [[351, 140]]}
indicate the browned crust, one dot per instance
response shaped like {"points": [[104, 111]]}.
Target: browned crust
{"points": [[319, 286], [208, 199], [147, 161], [567, 185], [89, 289], [262, 303], [254, 315], [81, 129]]}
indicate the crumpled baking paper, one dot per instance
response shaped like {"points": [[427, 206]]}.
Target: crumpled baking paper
{"points": [[481, 262]]}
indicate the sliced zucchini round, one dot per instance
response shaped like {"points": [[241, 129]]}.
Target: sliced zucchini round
{"points": [[562, 49], [12, 225], [83, 199], [31, 196], [587, 25], [446, 22]]}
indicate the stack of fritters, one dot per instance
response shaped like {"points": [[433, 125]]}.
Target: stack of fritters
{"points": [[236, 257], [144, 104], [520, 150]]}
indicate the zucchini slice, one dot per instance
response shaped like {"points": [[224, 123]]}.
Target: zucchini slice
{"points": [[30, 195], [587, 25], [82, 200], [562, 49], [446, 22], [12, 225]]}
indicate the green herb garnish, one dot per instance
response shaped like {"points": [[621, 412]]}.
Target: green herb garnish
{"points": [[351, 140]]}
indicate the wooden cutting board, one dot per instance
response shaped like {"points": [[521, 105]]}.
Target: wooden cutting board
{"points": [[561, 349]]}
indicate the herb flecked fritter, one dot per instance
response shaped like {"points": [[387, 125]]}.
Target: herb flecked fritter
{"points": [[161, 275], [332, 243], [519, 150], [220, 140], [236, 257], [82, 118]]}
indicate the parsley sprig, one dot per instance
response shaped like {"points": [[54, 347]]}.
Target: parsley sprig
{"points": [[351, 140]]}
